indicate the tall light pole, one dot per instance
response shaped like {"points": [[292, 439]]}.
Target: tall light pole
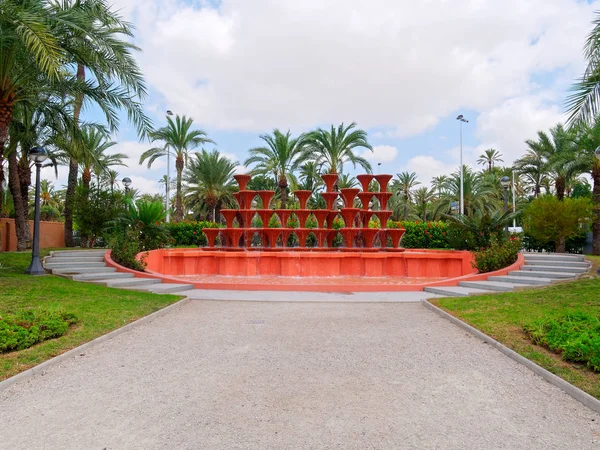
{"points": [[126, 182], [505, 182], [168, 207], [37, 155], [462, 120]]}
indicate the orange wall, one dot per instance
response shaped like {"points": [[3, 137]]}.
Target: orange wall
{"points": [[52, 234]]}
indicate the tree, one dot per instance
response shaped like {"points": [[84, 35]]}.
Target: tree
{"points": [[309, 176], [559, 150], [331, 149], [422, 197], [438, 183], [478, 194], [588, 140], [179, 137], [92, 158], [490, 157], [209, 183], [549, 219], [280, 157], [533, 167], [403, 186]]}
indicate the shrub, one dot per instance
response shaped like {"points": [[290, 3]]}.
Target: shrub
{"points": [[573, 244], [189, 233], [125, 248], [498, 255], [94, 212], [432, 234], [478, 231], [576, 336], [49, 213], [549, 220], [26, 328]]}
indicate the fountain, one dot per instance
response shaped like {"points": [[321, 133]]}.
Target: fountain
{"points": [[356, 232]]}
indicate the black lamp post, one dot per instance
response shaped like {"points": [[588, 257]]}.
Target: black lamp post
{"points": [[126, 182], [37, 155], [505, 182]]}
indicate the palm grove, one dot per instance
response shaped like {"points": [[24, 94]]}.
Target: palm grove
{"points": [[56, 58]]}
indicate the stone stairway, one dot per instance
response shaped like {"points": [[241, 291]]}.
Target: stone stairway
{"points": [[540, 269], [89, 266]]}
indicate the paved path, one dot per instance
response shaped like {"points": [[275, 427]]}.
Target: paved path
{"points": [[241, 375]]}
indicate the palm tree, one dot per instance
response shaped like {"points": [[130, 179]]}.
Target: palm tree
{"points": [[479, 195], [112, 179], [309, 176], [559, 149], [333, 148], [583, 104], [178, 137], [209, 183], [280, 157], [422, 197], [403, 186], [490, 157], [533, 167], [438, 183], [588, 140]]}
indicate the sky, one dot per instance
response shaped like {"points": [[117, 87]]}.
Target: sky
{"points": [[402, 70]]}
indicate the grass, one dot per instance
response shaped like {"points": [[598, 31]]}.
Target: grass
{"points": [[502, 317], [98, 309]]}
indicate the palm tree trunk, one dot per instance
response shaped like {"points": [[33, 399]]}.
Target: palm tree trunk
{"points": [[2, 180], [24, 180], [559, 184], [178, 202], [21, 219], [86, 179], [73, 168], [596, 205], [561, 245], [70, 202], [405, 207]]}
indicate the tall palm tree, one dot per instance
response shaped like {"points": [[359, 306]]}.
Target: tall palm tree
{"points": [[559, 150], [209, 183], [422, 197], [102, 47], [584, 102], [111, 179], [478, 194], [331, 149], [533, 166], [179, 138], [438, 183], [309, 176], [490, 157], [588, 140], [280, 157], [403, 186]]}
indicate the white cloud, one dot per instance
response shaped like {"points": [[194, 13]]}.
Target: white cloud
{"points": [[145, 185], [254, 65], [427, 167], [381, 154]]}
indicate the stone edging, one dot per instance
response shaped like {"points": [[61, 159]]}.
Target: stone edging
{"points": [[105, 337], [579, 395]]}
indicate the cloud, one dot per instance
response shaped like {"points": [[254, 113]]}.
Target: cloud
{"points": [[390, 64], [381, 154], [427, 167]]}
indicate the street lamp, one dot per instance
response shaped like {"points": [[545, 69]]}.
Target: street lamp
{"points": [[505, 182], [168, 209], [36, 155], [126, 182], [378, 168], [462, 120]]}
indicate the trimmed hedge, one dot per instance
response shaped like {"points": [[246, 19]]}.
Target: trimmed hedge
{"points": [[431, 234], [189, 232]]}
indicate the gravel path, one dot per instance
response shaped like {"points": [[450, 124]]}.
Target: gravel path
{"points": [[245, 375]]}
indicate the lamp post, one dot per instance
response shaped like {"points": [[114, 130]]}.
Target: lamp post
{"points": [[168, 209], [37, 155], [126, 182], [505, 182], [462, 120], [378, 168]]}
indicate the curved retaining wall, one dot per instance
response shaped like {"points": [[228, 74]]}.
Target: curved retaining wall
{"points": [[167, 264]]}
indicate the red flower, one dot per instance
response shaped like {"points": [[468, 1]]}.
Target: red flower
{"points": [[194, 232], [156, 223]]}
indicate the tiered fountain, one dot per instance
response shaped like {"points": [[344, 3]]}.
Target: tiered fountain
{"points": [[356, 232]]}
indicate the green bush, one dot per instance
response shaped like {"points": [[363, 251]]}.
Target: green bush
{"points": [[432, 234], [576, 336], [49, 213], [497, 256], [125, 248], [190, 233], [26, 328], [573, 244]]}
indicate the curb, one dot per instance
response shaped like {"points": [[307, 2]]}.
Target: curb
{"points": [[579, 395], [39, 369]]}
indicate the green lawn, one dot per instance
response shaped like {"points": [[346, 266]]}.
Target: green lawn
{"points": [[502, 317], [98, 309]]}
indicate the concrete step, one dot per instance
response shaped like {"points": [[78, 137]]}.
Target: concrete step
{"points": [[522, 280], [100, 276], [163, 288], [455, 291], [82, 269], [571, 270], [499, 286], [74, 259], [78, 253], [553, 263], [126, 282], [555, 256], [60, 265], [548, 275]]}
